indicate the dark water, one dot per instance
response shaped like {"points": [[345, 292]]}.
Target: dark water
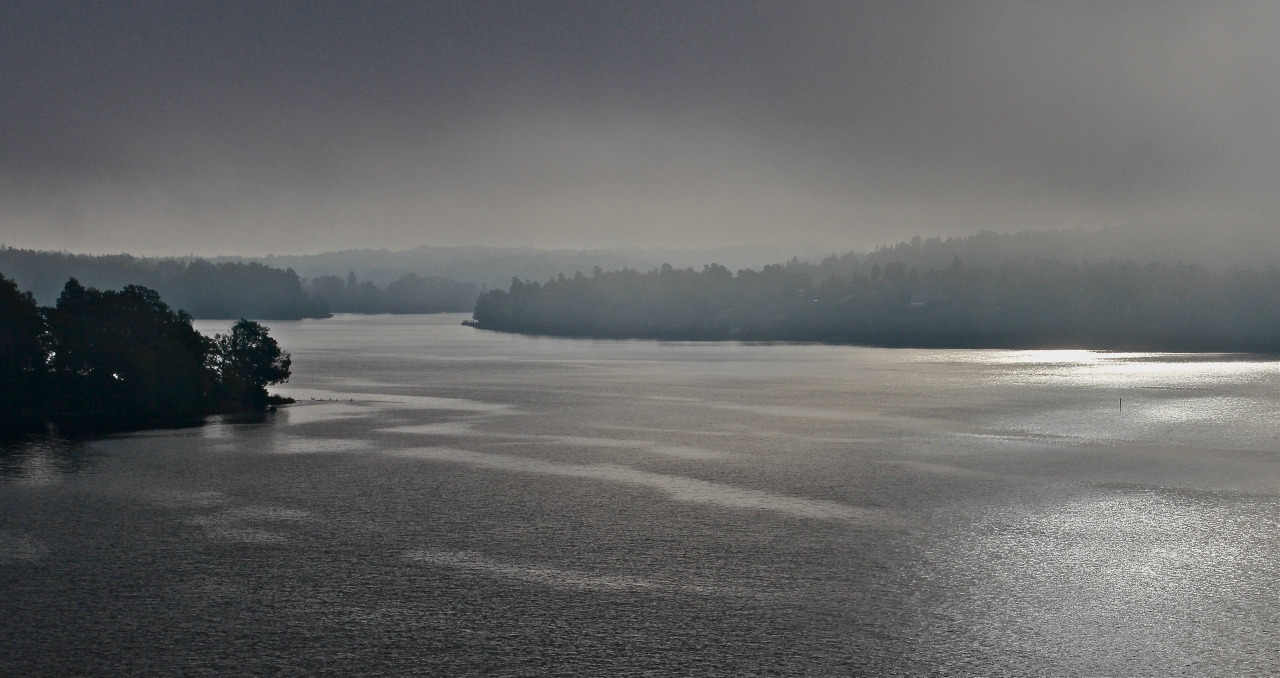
{"points": [[461, 502]]}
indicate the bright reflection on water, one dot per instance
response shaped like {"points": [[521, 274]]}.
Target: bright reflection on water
{"points": [[448, 501]]}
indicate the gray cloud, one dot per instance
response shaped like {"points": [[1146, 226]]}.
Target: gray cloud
{"points": [[291, 127]]}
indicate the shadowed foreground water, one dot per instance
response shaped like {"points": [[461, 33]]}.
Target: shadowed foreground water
{"points": [[456, 501]]}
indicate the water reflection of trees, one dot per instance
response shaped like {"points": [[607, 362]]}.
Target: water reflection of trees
{"points": [[34, 456]]}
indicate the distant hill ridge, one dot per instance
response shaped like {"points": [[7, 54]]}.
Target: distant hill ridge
{"points": [[434, 279], [493, 267], [1209, 248]]}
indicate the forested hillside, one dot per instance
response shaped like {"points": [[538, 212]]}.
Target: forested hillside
{"points": [[201, 288], [1017, 303], [235, 289]]}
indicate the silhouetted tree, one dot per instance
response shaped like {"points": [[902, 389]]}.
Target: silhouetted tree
{"points": [[248, 360], [108, 360], [120, 358], [23, 368]]}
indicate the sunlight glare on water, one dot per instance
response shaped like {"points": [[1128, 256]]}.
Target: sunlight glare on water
{"points": [[451, 501]]}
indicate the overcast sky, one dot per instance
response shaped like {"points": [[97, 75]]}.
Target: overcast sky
{"points": [[236, 127]]}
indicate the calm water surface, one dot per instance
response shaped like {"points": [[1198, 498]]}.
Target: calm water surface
{"points": [[449, 501]]}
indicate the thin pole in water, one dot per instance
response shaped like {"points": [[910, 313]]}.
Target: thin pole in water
{"points": [[1122, 404]]}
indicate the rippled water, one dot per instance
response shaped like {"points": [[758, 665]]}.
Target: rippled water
{"points": [[449, 501]]}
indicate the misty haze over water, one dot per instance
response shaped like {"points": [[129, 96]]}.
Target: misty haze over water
{"points": [[449, 500], [963, 181]]}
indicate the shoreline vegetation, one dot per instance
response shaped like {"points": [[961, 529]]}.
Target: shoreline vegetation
{"points": [[105, 361], [988, 290], [1015, 304]]}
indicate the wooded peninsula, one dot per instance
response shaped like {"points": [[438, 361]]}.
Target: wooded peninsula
{"points": [[879, 300], [122, 360]]}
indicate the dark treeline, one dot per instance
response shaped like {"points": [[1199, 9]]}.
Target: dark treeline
{"points": [[234, 289], [1017, 303], [410, 293], [203, 289], [119, 360]]}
